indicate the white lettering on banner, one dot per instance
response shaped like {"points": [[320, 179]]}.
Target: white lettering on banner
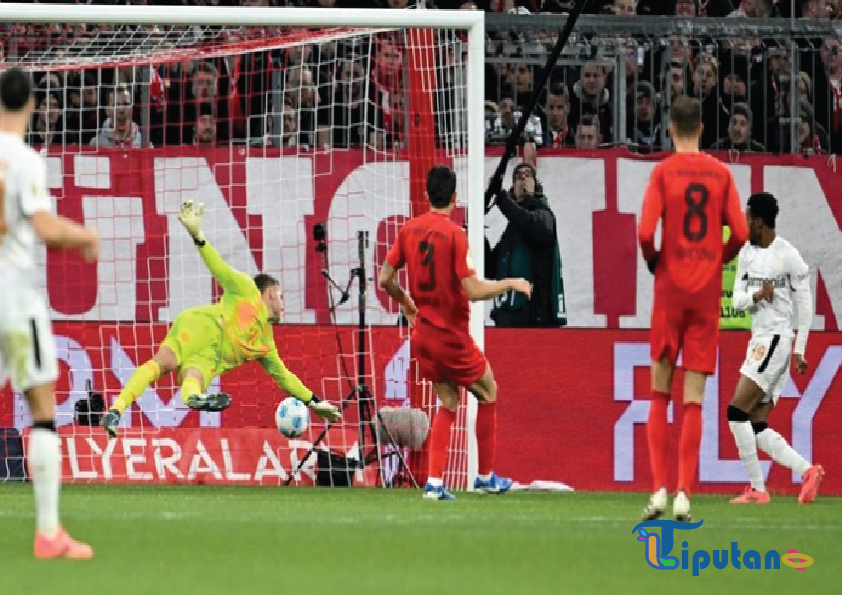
{"points": [[135, 458], [395, 375], [202, 463], [627, 357], [72, 456], [263, 467], [309, 467], [370, 194], [632, 180], [119, 223], [811, 399], [169, 463], [807, 221], [228, 463], [281, 192]]}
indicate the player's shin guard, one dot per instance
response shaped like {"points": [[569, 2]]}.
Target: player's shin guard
{"points": [[486, 437], [439, 443], [657, 432], [740, 425], [44, 462], [770, 441], [143, 376], [688, 449]]}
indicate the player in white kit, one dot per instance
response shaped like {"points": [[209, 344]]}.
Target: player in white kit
{"points": [[771, 275], [27, 348]]}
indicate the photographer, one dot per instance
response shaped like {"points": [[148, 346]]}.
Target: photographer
{"points": [[528, 248]]}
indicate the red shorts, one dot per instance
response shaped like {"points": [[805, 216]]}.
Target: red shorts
{"points": [[678, 328], [447, 357]]}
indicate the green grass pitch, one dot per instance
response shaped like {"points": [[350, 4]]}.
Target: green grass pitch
{"points": [[213, 540]]}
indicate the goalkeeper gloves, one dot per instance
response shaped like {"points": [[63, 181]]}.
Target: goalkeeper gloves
{"points": [[325, 410], [191, 218]]}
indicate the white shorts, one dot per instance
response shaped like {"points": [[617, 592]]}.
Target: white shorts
{"points": [[767, 363], [27, 347]]}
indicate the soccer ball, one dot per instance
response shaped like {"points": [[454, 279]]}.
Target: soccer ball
{"points": [[292, 418]]}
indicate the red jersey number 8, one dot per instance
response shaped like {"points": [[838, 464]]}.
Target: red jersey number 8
{"points": [[696, 219]]}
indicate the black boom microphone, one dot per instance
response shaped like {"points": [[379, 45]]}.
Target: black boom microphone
{"points": [[496, 184]]}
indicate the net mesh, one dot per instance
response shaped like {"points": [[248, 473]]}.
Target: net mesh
{"points": [[275, 130]]}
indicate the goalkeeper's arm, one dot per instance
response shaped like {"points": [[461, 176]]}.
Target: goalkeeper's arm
{"points": [[290, 383], [229, 278]]}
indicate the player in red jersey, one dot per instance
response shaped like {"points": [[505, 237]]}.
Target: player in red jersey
{"points": [[442, 280], [694, 195]]}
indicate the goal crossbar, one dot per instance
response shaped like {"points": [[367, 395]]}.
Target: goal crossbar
{"points": [[246, 17]]}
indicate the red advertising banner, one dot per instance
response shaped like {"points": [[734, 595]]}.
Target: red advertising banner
{"points": [[257, 456], [573, 404]]}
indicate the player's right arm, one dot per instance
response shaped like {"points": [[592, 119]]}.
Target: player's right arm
{"points": [[736, 220], [229, 278], [481, 289], [54, 230], [741, 298], [651, 213], [388, 279]]}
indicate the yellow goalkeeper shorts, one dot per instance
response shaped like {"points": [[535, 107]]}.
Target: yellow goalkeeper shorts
{"points": [[195, 340]]}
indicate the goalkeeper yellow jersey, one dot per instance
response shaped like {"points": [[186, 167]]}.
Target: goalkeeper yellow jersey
{"points": [[244, 319]]}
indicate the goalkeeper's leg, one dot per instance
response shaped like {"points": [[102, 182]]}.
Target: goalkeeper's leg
{"points": [[163, 362]]}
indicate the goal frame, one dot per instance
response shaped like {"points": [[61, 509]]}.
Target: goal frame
{"points": [[471, 21]]}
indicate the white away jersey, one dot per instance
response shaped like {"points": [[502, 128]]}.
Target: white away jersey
{"points": [[24, 180], [781, 265]]}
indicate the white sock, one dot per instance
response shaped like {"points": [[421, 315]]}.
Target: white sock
{"points": [[45, 470], [484, 477], [747, 446], [435, 482], [779, 450]]}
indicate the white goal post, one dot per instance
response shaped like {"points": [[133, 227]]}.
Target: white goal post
{"points": [[472, 167]]}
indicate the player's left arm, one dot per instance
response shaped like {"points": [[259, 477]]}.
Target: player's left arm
{"points": [[289, 382], [799, 280], [651, 213], [229, 278]]}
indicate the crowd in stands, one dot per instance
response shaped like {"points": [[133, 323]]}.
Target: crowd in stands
{"points": [[757, 94]]}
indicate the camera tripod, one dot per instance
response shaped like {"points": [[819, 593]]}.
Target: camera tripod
{"points": [[368, 413]]}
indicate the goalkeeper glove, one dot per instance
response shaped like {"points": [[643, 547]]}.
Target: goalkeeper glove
{"points": [[191, 218], [653, 263], [325, 410]]}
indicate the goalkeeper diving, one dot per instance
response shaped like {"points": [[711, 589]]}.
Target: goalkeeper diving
{"points": [[207, 341]]}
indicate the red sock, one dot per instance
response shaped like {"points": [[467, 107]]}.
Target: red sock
{"points": [[688, 449], [486, 436], [440, 442], [657, 433]]}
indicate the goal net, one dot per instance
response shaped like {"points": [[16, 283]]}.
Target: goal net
{"points": [[309, 147]]}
